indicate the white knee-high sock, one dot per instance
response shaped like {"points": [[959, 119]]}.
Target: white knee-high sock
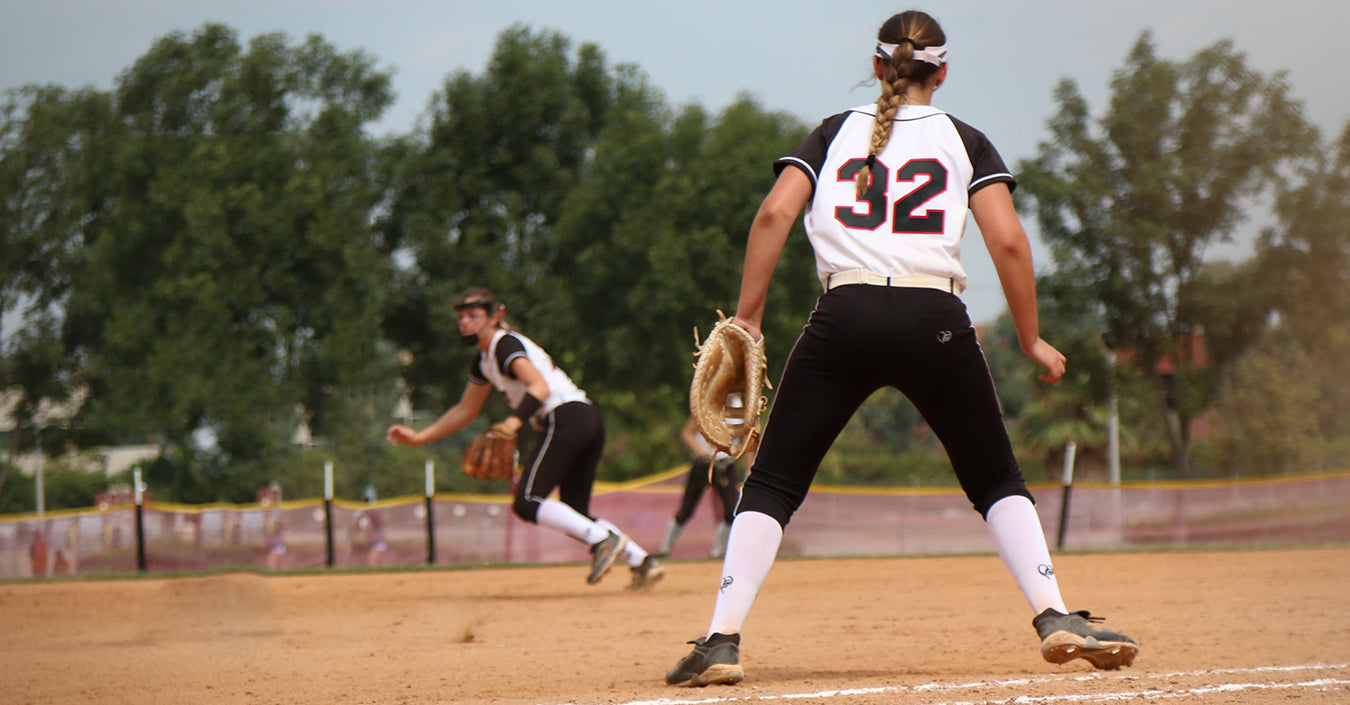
{"points": [[673, 531], [633, 554], [1016, 529], [560, 517], [751, 550], [719, 547]]}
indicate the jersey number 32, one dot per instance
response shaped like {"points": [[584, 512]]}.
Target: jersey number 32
{"points": [[928, 179]]}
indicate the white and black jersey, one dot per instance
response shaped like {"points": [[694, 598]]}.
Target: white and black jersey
{"points": [[506, 346], [862, 335], [912, 217]]}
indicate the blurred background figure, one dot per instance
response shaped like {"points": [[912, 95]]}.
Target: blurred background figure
{"points": [[276, 544], [708, 467], [37, 553]]}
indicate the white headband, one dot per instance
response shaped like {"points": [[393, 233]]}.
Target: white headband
{"points": [[936, 56]]}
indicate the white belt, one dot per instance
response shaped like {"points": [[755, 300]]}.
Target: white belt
{"points": [[862, 276]]}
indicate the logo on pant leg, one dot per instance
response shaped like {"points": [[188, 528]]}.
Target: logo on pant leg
{"points": [[1046, 570], [726, 583], [944, 336]]}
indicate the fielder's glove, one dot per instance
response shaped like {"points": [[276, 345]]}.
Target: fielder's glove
{"points": [[731, 368], [491, 456]]}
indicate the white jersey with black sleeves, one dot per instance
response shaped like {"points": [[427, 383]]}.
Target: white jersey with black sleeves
{"points": [[911, 219], [494, 367]]}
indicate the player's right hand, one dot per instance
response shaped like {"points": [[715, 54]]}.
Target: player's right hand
{"points": [[400, 434]]}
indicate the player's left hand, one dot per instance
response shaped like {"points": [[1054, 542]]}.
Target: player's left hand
{"points": [[1048, 357]]}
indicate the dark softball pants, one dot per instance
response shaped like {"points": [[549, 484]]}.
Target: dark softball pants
{"points": [[859, 339], [565, 458], [723, 483]]}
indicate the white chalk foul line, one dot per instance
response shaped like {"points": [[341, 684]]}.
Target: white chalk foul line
{"points": [[1102, 697]]}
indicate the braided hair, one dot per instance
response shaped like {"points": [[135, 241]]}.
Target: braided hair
{"points": [[908, 30]]}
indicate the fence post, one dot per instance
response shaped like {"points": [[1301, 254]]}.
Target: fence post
{"points": [[140, 518], [39, 477], [431, 508], [1069, 450], [328, 507]]}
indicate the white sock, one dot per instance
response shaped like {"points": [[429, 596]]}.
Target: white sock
{"points": [[633, 554], [751, 550], [560, 517], [719, 547], [1017, 532], [672, 532]]}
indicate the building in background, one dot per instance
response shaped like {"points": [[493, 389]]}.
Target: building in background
{"points": [[106, 459]]}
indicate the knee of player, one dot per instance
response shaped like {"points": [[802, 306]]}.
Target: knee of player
{"points": [[986, 498], [526, 509]]}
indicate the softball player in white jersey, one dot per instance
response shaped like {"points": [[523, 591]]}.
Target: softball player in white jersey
{"points": [[571, 435], [886, 189]]}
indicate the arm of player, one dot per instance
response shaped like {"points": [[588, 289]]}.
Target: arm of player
{"points": [[455, 418], [694, 441], [1010, 251], [768, 233]]}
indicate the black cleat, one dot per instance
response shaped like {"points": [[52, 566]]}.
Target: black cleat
{"points": [[603, 554], [1065, 637], [648, 574], [715, 660]]}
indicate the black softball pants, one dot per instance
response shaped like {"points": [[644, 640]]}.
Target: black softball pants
{"points": [[859, 339], [565, 458], [723, 483]]}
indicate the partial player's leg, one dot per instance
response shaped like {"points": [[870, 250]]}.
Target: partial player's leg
{"points": [[584, 423], [565, 459], [819, 392], [728, 489], [694, 484], [955, 395]]}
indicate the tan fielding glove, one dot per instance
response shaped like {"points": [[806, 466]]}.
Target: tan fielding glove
{"points": [[731, 368]]}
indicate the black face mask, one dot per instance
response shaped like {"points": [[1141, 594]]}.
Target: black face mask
{"points": [[490, 307]]}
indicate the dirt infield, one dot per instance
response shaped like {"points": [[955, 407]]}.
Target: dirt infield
{"points": [[1215, 627]]}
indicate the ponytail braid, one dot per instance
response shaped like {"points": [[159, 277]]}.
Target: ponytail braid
{"points": [[908, 31], [888, 104]]}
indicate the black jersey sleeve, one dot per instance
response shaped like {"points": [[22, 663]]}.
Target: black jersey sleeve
{"points": [[988, 164], [508, 349], [476, 372], [809, 156]]}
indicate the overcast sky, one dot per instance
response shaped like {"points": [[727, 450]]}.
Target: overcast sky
{"points": [[802, 57]]}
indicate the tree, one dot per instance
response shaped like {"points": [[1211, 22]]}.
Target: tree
{"points": [[609, 225], [1269, 412], [653, 236], [1129, 209], [1305, 262], [1042, 418], [49, 137], [662, 214], [205, 232], [473, 198]]}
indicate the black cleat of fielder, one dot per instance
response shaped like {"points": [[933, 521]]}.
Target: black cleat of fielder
{"points": [[603, 554], [715, 660], [648, 574], [1065, 637]]}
